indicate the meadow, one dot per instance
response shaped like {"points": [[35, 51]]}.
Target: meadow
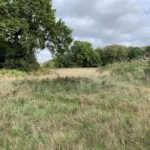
{"points": [[106, 108]]}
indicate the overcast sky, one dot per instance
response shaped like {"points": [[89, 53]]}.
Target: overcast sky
{"points": [[104, 22]]}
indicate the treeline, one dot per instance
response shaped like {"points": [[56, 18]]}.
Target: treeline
{"points": [[28, 26], [82, 54]]}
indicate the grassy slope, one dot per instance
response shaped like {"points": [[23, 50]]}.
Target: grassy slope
{"points": [[107, 111]]}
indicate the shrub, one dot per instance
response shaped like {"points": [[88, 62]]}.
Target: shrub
{"points": [[113, 53], [134, 53]]}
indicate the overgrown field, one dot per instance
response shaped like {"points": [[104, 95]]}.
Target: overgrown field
{"points": [[76, 109]]}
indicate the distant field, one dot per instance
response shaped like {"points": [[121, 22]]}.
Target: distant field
{"points": [[105, 108]]}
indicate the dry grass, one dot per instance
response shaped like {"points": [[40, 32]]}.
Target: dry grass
{"points": [[51, 74], [76, 109]]}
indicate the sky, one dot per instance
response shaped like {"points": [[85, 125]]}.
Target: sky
{"points": [[105, 22]]}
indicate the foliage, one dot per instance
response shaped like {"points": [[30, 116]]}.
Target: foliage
{"points": [[49, 64], [113, 53], [62, 39], [27, 26], [134, 53], [84, 55], [147, 52], [118, 53], [63, 60], [81, 54]]}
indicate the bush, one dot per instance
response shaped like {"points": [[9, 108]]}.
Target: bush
{"points": [[82, 54], [118, 53], [63, 61], [134, 53], [147, 52], [113, 53], [49, 64]]}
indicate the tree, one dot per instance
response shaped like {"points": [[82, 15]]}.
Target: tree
{"points": [[10, 58], [113, 53], [61, 39], [80, 54], [147, 52], [84, 55], [63, 61], [134, 53], [28, 25]]}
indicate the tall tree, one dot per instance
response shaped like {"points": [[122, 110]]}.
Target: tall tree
{"points": [[28, 25], [84, 55]]}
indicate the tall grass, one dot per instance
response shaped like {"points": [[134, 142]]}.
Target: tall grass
{"points": [[110, 112]]}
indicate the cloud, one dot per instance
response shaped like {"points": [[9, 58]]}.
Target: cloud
{"points": [[104, 22], [107, 21]]}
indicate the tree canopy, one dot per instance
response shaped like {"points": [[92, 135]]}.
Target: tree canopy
{"points": [[26, 26], [81, 54], [84, 55]]}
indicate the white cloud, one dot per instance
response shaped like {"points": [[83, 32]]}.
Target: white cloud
{"points": [[103, 22], [108, 21]]}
